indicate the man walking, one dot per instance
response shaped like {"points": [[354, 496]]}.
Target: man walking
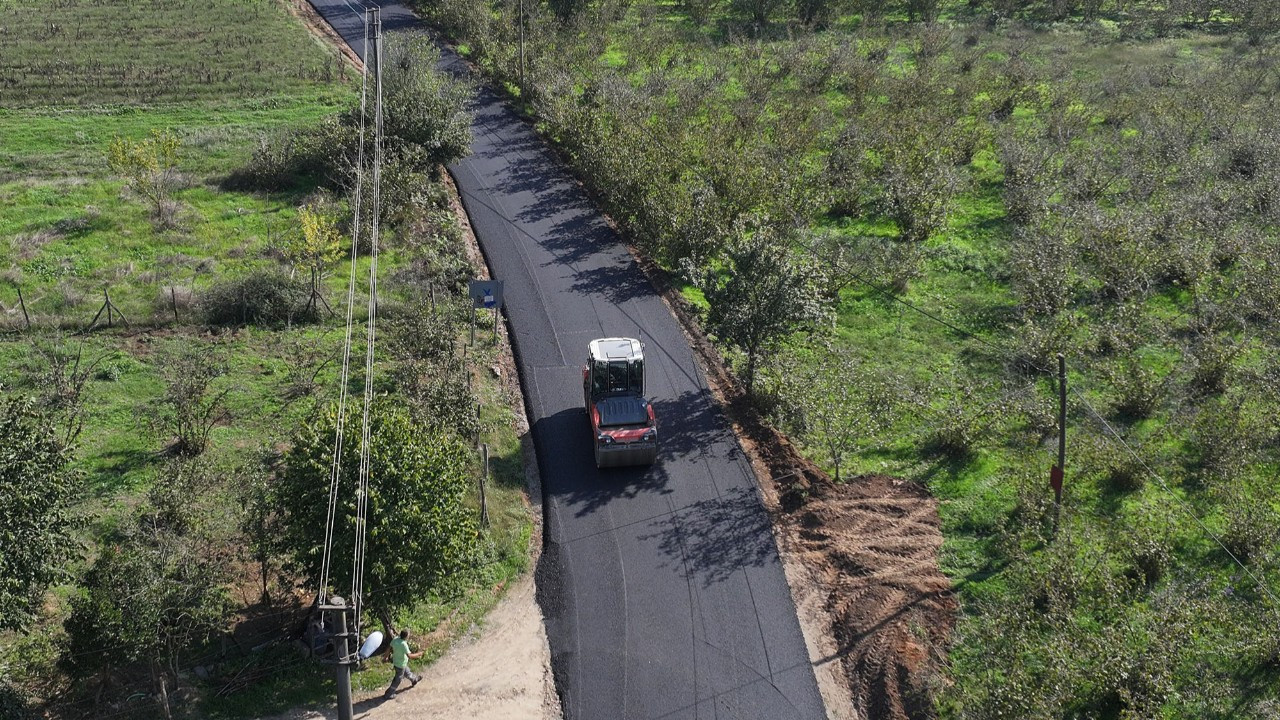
{"points": [[400, 657]]}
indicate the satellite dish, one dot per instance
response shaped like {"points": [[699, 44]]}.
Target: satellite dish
{"points": [[371, 644]]}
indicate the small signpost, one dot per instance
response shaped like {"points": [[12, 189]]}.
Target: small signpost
{"points": [[485, 294]]}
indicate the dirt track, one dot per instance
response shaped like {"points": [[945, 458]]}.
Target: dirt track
{"points": [[500, 671]]}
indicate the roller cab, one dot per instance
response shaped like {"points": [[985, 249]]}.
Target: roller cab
{"points": [[624, 430]]}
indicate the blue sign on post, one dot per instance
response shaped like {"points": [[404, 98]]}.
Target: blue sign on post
{"points": [[485, 293]]}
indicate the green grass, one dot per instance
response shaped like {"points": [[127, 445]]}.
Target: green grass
{"points": [[219, 75], [88, 52]]}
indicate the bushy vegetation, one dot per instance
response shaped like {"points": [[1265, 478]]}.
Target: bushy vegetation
{"points": [[154, 451], [37, 491], [974, 188]]}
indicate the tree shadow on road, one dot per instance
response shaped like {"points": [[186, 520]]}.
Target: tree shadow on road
{"points": [[717, 537], [618, 282]]}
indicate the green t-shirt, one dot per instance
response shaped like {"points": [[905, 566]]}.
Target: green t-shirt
{"points": [[399, 652]]}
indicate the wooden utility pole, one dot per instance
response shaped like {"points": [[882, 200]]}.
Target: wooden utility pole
{"points": [[484, 477]]}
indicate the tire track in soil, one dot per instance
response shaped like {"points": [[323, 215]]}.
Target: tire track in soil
{"points": [[874, 542]]}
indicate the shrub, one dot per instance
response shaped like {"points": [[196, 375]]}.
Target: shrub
{"points": [[1251, 521], [962, 421], [1138, 389], [1038, 342], [324, 152], [1212, 357], [151, 594], [150, 167], [190, 407], [37, 492], [261, 297], [1224, 437], [764, 294], [425, 107], [1042, 270]]}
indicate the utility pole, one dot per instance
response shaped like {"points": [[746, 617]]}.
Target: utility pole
{"points": [[341, 614], [334, 614]]}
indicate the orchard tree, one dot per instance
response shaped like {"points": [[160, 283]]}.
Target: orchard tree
{"points": [[426, 110], [36, 495], [760, 293], [918, 177], [841, 406], [420, 532]]}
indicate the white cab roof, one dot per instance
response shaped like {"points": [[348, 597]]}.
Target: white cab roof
{"points": [[616, 349]]}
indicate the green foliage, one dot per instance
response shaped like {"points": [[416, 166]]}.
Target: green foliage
{"points": [[159, 587], [425, 108], [37, 494], [321, 152], [150, 168], [423, 343], [420, 536], [759, 12], [763, 294], [260, 297], [151, 594], [13, 705]]}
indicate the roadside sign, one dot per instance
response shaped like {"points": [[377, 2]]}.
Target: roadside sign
{"points": [[485, 293]]}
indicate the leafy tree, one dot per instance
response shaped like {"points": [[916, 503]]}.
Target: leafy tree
{"points": [[425, 109], [36, 495], [567, 10], [316, 246], [839, 407], [190, 407], [759, 12], [152, 594], [420, 532], [761, 293], [150, 167], [259, 523]]}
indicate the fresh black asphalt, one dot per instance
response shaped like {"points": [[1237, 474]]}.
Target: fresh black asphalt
{"points": [[662, 589]]}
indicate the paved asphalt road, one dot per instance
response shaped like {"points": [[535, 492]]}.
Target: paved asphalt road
{"points": [[662, 589]]}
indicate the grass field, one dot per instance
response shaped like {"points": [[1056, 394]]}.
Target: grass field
{"points": [[220, 76], [86, 52]]}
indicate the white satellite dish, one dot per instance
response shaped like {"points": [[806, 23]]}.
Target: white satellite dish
{"points": [[371, 644]]}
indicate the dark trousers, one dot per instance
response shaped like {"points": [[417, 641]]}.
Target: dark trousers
{"points": [[405, 673]]}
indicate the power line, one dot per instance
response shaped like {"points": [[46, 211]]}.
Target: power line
{"points": [[895, 297], [340, 422]]}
